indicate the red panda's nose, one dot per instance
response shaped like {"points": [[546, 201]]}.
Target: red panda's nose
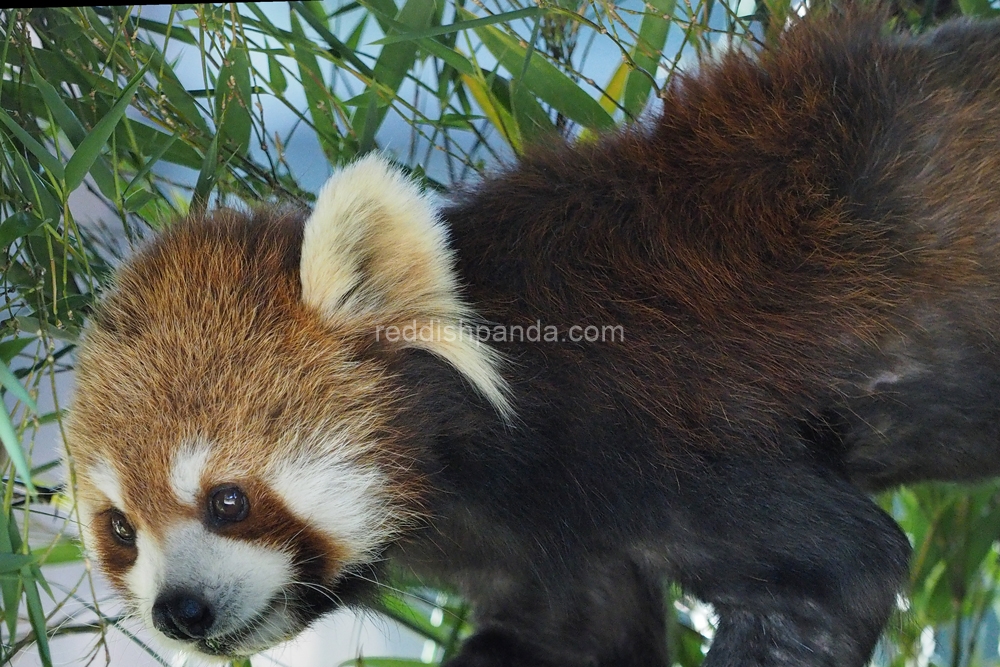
{"points": [[182, 616]]}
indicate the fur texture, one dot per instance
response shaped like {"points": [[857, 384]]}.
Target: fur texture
{"points": [[802, 256]]}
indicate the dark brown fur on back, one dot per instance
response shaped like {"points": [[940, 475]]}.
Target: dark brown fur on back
{"points": [[783, 218]]}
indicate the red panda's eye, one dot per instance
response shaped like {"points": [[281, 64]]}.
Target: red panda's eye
{"points": [[229, 504], [121, 529]]}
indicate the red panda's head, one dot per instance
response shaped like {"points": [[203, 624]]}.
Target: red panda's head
{"points": [[232, 435]]}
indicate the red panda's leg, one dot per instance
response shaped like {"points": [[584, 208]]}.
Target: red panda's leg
{"points": [[609, 614], [802, 568]]}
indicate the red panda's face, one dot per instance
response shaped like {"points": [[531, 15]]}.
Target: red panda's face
{"points": [[232, 568], [232, 435]]}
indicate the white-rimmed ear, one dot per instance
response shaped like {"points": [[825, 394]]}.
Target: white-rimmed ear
{"points": [[375, 252]]}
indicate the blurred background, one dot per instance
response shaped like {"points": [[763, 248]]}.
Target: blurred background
{"points": [[116, 120]]}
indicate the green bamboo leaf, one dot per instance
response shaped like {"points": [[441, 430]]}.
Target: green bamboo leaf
{"points": [[41, 581], [393, 63], [533, 124], [14, 386], [156, 157], [276, 77], [175, 31], [615, 88], [498, 116], [45, 467], [45, 204], [138, 199], [405, 35], [545, 80], [383, 662], [318, 96], [74, 130], [10, 588], [45, 158], [354, 39], [337, 48], [233, 99], [207, 175], [17, 226], [90, 148], [982, 8], [14, 450], [14, 562], [11, 348], [176, 152], [36, 613], [646, 54], [397, 609], [461, 63], [183, 102]]}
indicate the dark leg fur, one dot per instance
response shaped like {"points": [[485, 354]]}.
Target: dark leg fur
{"points": [[805, 575], [611, 616]]}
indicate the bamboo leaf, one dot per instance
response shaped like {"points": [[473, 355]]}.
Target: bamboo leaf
{"points": [[646, 54], [233, 100], [10, 588], [337, 48], [615, 89], [14, 450], [448, 55], [207, 176], [178, 97], [318, 96], [13, 562], [90, 148], [45, 158], [36, 613], [411, 618], [390, 70], [35, 191], [383, 662], [545, 80], [156, 157], [73, 129], [11, 348], [11, 383], [981, 8], [499, 117], [405, 35], [17, 226], [276, 77]]}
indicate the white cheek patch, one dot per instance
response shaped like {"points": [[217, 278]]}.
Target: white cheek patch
{"points": [[343, 499], [146, 576], [186, 470], [104, 477], [239, 580]]}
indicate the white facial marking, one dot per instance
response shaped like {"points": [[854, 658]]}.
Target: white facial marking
{"points": [[341, 498], [238, 579], [104, 477], [186, 470], [146, 576]]}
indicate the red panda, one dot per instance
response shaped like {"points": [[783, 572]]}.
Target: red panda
{"points": [[801, 255]]}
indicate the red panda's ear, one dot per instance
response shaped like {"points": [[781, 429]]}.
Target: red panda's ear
{"points": [[375, 254]]}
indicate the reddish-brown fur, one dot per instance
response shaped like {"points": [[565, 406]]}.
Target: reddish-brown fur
{"points": [[168, 360]]}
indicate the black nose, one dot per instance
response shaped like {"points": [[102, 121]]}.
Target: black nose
{"points": [[182, 616]]}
